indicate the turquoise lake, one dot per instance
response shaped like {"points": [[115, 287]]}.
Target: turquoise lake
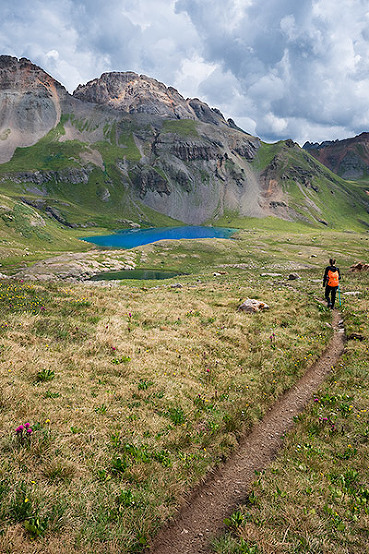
{"points": [[129, 238]]}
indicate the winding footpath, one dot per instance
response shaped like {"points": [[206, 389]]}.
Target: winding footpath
{"points": [[203, 513]]}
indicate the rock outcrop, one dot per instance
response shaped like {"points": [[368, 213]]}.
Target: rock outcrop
{"points": [[132, 93], [251, 306], [29, 104]]}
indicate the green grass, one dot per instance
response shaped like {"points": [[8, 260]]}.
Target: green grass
{"points": [[265, 154], [135, 392], [48, 154], [324, 197], [314, 497], [181, 127]]}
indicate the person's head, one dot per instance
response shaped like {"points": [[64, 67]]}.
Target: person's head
{"points": [[332, 261]]}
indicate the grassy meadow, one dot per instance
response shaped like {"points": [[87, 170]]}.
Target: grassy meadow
{"points": [[133, 392], [315, 496]]}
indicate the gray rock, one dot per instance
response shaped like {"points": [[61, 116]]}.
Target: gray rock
{"points": [[251, 305]]}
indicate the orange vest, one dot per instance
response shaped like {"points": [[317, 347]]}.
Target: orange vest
{"points": [[333, 278]]}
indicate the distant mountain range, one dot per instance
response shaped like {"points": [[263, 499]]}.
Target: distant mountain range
{"points": [[125, 149], [348, 158]]}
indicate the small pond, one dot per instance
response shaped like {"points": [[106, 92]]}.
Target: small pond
{"points": [[135, 274], [129, 238]]}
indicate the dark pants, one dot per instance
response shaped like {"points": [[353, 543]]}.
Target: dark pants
{"points": [[330, 295]]}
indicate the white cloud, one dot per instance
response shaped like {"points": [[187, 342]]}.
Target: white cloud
{"points": [[191, 73], [279, 68]]}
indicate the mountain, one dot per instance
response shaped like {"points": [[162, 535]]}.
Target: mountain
{"points": [[348, 158], [126, 149]]}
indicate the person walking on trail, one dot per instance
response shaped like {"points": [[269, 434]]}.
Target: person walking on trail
{"points": [[330, 282]]}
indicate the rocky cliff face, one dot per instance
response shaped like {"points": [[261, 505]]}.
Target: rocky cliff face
{"points": [[132, 93], [125, 147], [348, 158], [29, 104]]}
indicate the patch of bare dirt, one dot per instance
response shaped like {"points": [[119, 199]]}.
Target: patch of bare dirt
{"points": [[202, 514]]}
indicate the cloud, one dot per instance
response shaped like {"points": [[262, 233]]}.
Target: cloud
{"points": [[281, 68], [304, 63]]}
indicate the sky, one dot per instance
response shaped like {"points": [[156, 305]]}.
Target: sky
{"points": [[279, 68]]}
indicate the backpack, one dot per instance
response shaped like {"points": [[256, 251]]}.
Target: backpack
{"points": [[333, 278]]}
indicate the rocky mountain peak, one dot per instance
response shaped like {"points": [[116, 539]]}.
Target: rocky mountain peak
{"points": [[132, 93], [23, 75], [29, 104]]}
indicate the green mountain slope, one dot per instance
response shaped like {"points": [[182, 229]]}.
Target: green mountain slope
{"points": [[168, 161]]}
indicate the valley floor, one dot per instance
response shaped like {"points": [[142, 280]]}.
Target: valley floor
{"points": [[134, 393]]}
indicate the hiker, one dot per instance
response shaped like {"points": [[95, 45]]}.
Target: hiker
{"points": [[330, 282]]}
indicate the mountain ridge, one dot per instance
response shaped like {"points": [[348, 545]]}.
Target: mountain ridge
{"points": [[127, 148], [348, 157]]}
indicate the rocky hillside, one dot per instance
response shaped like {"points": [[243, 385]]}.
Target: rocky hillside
{"points": [[132, 93], [29, 104], [348, 158], [125, 149]]}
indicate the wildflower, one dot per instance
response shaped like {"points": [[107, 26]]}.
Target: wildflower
{"points": [[23, 431], [47, 420]]}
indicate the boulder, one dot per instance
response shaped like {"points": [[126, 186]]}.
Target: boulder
{"points": [[252, 306], [293, 277]]}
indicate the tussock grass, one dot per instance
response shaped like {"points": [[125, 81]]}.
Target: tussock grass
{"points": [[133, 395], [315, 496], [135, 392]]}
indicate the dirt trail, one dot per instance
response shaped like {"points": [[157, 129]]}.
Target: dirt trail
{"points": [[201, 518]]}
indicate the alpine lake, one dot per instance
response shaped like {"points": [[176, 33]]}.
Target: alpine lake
{"points": [[131, 238]]}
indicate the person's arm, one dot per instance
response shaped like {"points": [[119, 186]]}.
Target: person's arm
{"points": [[325, 276]]}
